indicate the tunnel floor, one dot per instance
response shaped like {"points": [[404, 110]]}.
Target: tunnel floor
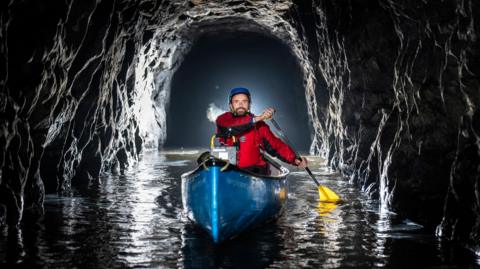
{"points": [[136, 220]]}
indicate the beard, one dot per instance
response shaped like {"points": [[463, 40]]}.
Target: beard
{"points": [[241, 111]]}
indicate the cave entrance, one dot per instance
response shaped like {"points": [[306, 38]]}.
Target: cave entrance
{"points": [[218, 62]]}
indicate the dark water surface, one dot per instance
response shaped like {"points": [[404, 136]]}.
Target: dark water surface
{"points": [[136, 220]]}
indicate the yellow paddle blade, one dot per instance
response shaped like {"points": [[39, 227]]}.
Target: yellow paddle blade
{"points": [[327, 195], [324, 209]]}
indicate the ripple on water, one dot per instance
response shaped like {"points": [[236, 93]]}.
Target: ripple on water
{"points": [[136, 220]]}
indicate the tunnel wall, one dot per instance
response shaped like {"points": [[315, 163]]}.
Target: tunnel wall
{"points": [[67, 99], [391, 88], [402, 117]]}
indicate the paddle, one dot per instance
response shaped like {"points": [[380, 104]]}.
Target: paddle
{"points": [[326, 194]]}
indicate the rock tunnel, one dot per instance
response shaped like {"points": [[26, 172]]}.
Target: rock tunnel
{"points": [[391, 91]]}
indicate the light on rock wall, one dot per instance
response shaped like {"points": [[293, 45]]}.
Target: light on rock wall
{"points": [[149, 114], [144, 106]]}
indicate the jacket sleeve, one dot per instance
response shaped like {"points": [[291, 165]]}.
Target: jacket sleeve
{"points": [[227, 124], [275, 146]]}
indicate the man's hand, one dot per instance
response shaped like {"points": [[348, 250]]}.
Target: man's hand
{"points": [[266, 115], [303, 163]]}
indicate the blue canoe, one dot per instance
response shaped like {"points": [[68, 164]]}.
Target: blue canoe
{"points": [[225, 200]]}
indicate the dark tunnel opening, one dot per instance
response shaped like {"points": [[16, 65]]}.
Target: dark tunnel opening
{"points": [[218, 62]]}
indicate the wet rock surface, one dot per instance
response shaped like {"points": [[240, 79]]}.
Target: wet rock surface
{"points": [[392, 92], [402, 123]]}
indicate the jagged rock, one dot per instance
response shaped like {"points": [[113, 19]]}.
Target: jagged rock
{"points": [[407, 145], [391, 89]]}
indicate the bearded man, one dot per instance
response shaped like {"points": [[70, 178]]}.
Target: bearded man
{"points": [[251, 135]]}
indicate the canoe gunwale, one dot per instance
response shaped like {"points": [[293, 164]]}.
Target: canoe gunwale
{"points": [[212, 161]]}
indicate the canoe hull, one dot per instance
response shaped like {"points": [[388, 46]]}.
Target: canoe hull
{"points": [[226, 203]]}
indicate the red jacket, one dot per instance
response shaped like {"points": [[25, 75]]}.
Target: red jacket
{"points": [[250, 138]]}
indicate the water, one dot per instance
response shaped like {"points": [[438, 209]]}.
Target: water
{"points": [[136, 220]]}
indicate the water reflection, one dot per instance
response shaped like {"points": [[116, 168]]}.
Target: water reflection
{"points": [[254, 249], [325, 209], [136, 220], [15, 252]]}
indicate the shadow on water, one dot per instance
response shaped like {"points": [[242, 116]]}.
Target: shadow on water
{"points": [[136, 220]]}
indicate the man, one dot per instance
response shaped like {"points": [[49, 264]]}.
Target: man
{"points": [[251, 134]]}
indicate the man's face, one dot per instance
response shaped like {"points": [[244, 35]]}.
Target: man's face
{"points": [[240, 104]]}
